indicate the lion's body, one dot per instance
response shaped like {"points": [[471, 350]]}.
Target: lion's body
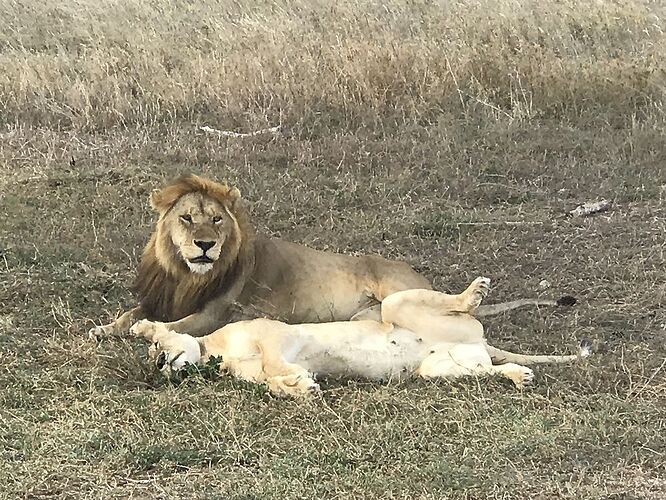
{"points": [[204, 267], [249, 276], [422, 332], [298, 284]]}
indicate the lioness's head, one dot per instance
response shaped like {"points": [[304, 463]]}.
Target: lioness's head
{"points": [[197, 223], [170, 351]]}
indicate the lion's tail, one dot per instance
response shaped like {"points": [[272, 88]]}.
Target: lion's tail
{"points": [[492, 309], [499, 356]]}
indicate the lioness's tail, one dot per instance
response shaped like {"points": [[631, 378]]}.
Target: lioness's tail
{"points": [[500, 357], [492, 309]]}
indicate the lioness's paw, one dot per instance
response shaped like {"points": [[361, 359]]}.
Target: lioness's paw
{"points": [[145, 328], [522, 376], [476, 292], [295, 386], [313, 389]]}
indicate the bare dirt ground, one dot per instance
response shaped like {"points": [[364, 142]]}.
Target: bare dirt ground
{"points": [[455, 136]]}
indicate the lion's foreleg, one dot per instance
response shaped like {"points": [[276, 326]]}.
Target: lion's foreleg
{"points": [[119, 326], [197, 324]]}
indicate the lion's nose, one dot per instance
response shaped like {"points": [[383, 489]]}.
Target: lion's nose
{"points": [[204, 245]]}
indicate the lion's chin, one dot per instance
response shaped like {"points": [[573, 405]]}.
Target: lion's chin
{"points": [[199, 267]]}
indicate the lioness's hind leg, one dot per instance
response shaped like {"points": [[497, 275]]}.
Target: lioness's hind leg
{"points": [[471, 298], [400, 307], [520, 375], [471, 359]]}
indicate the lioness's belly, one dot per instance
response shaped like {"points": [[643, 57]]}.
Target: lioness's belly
{"points": [[364, 349]]}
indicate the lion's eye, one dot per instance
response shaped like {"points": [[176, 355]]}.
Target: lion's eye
{"points": [[217, 219], [186, 218]]}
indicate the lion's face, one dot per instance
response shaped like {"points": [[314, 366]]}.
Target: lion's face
{"points": [[198, 227]]}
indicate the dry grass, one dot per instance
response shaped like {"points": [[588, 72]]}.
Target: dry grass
{"points": [[321, 67], [411, 129]]}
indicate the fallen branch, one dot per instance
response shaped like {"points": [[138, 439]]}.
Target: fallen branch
{"points": [[590, 208], [229, 133]]}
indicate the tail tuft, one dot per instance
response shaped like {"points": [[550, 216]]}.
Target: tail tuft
{"points": [[585, 348], [566, 300]]}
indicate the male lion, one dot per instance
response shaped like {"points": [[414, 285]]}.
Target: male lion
{"points": [[428, 333], [203, 264]]}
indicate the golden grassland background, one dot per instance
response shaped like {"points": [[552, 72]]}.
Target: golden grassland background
{"points": [[453, 135]]}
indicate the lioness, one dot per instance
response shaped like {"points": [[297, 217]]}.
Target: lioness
{"points": [[428, 333], [204, 264]]}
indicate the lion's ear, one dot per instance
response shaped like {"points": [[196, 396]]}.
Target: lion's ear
{"points": [[163, 199], [234, 197], [154, 200]]}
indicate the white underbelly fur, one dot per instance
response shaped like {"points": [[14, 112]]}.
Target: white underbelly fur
{"points": [[376, 355]]}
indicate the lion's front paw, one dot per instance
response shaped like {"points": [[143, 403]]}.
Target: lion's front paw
{"points": [[476, 292], [97, 333]]}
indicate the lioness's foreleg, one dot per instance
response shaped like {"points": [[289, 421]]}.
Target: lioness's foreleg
{"points": [[295, 385], [282, 377], [119, 326]]}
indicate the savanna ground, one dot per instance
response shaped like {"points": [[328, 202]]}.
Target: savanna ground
{"points": [[453, 135]]}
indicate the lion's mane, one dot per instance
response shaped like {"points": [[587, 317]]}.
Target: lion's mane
{"points": [[166, 288]]}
